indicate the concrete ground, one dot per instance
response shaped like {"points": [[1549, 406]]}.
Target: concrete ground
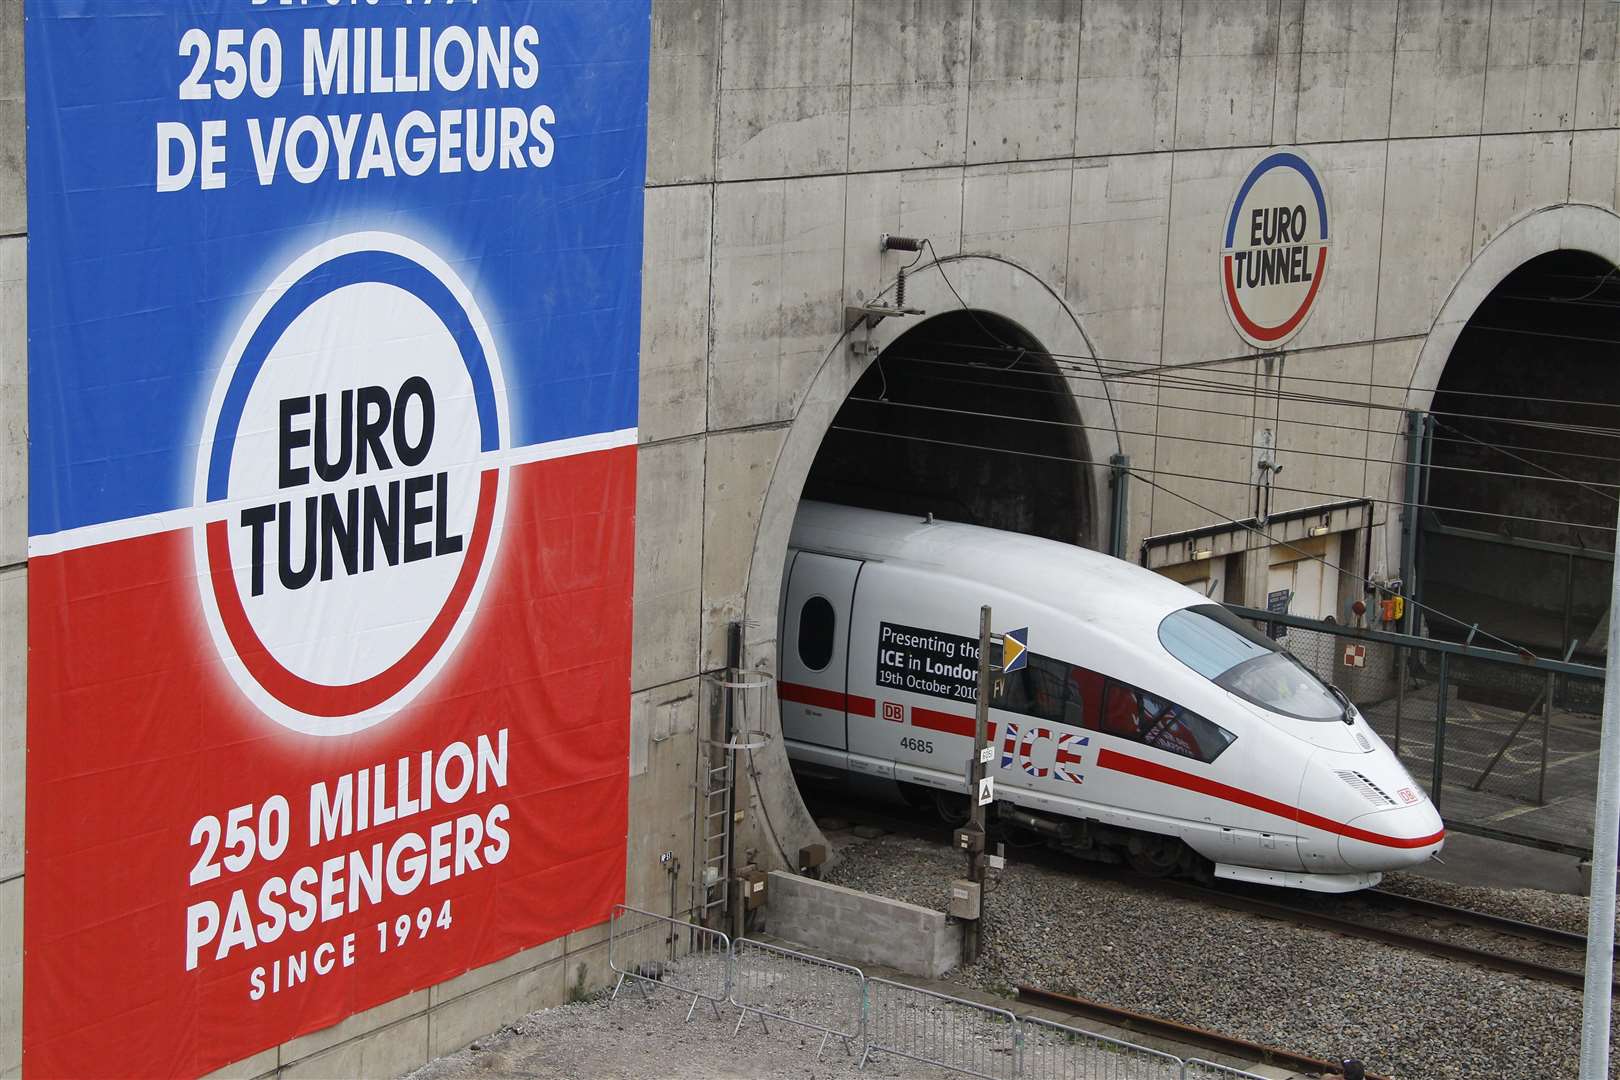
{"points": [[1479, 860]]}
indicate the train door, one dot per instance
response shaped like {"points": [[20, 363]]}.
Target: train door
{"points": [[815, 649]]}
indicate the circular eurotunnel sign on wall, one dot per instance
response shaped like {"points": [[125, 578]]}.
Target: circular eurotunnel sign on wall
{"points": [[1275, 249]]}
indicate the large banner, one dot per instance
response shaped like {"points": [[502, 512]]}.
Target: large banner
{"points": [[333, 337]]}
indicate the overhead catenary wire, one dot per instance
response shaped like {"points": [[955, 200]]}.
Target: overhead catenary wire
{"points": [[1363, 458], [1311, 422], [1159, 372], [1149, 371], [1553, 474], [1230, 390], [1158, 375], [1133, 469]]}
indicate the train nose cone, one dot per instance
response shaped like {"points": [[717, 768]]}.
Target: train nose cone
{"points": [[1391, 839]]}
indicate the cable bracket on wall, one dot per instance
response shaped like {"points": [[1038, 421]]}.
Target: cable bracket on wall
{"points": [[872, 314]]}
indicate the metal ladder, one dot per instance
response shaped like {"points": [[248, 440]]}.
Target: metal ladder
{"points": [[714, 834]]}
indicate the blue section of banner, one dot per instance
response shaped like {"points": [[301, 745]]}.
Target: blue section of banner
{"points": [[135, 294]]}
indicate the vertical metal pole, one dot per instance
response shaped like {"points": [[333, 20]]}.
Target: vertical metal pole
{"points": [[1438, 771], [1414, 590], [1409, 524], [1409, 513], [1400, 693], [1569, 598], [981, 728], [1119, 466], [1595, 1001], [734, 633], [1546, 734]]}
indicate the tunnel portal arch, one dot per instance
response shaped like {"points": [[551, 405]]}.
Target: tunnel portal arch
{"points": [[976, 298], [967, 417]]}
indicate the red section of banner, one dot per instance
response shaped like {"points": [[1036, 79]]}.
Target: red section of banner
{"points": [[137, 735]]}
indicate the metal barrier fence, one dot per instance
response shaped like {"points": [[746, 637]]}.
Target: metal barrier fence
{"points": [[798, 988], [651, 949], [953, 1033], [887, 1017], [1503, 744], [1053, 1051]]}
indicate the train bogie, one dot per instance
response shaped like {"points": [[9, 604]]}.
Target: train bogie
{"points": [[1145, 720]]}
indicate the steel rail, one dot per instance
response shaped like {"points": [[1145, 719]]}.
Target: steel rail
{"points": [[1483, 919], [1445, 950], [1186, 1034]]}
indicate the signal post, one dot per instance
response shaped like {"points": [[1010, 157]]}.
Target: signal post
{"points": [[967, 895]]}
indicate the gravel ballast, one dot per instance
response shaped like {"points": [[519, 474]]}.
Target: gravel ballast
{"points": [[1409, 1016]]}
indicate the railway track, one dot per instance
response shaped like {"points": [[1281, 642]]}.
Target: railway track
{"points": [[1481, 919], [1422, 943], [1186, 1034], [1315, 917]]}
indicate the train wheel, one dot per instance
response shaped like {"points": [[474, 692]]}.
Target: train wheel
{"points": [[952, 809], [1155, 856]]}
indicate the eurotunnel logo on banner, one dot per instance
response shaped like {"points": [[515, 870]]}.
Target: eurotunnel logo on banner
{"points": [[334, 316], [1275, 249], [350, 466]]}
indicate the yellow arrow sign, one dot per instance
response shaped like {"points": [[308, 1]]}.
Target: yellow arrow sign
{"points": [[1013, 645]]}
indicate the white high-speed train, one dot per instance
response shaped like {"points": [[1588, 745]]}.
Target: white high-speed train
{"points": [[1149, 724]]}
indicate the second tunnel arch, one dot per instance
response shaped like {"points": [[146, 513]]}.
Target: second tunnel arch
{"points": [[1550, 244]]}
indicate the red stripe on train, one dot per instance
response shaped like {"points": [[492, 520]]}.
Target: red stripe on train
{"points": [[800, 694], [949, 723], [1163, 774]]}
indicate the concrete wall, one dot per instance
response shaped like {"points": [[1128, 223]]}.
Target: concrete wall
{"points": [[1072, 161], [861, 928], [1073, 164]]}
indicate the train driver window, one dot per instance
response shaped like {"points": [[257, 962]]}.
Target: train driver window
{"points": [[817, 622], [1146, 718], [1236, 657]]}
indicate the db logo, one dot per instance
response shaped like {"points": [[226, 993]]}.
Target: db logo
{"points": [[350, 483], [1407, 795], [893, 710]]}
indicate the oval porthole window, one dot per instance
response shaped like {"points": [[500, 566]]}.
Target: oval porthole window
{"points": [[816, 624]]}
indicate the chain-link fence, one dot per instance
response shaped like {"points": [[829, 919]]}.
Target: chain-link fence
{"points": [[1504, 744]]}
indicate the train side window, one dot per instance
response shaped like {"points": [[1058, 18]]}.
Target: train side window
{"points": [[1051, 689], [1153, 721], [817, 623]]}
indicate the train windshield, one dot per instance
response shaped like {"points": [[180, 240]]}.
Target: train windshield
{"points": [[1236, 657]]}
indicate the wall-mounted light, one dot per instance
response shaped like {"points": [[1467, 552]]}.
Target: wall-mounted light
{"points": [[1202, 553], [1319, 530]]}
